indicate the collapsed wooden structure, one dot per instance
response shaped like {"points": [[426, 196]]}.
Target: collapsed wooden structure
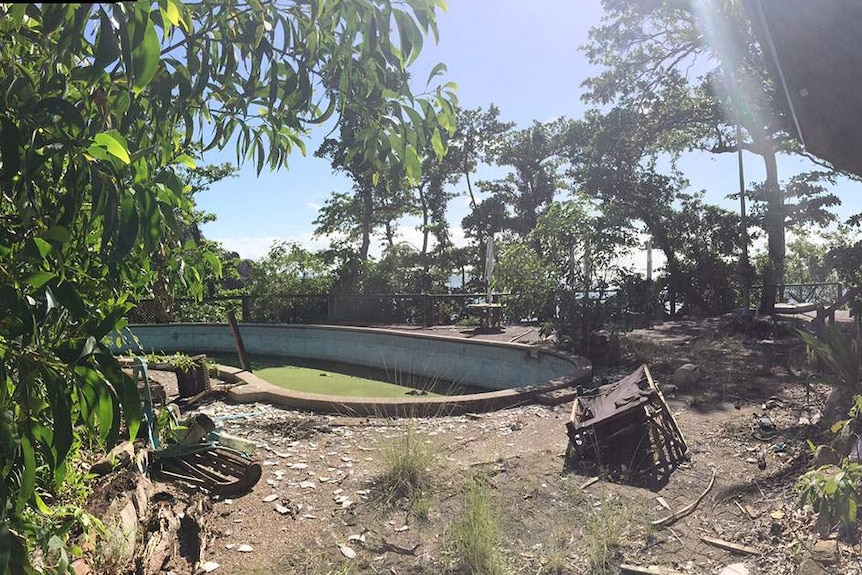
{"points": [[625, 431]]}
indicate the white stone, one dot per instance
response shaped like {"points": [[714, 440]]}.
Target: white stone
{"points": [[686, 375], [270, 498], [245, 548], [347, 552], [735, 569]]}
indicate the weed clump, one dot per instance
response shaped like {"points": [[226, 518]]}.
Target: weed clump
{"points": [[407, 462], [473, 541], [603, 534]]}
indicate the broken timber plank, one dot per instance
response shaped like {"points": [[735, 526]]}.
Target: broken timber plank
{"points": [[729, 545], [651, 570]]}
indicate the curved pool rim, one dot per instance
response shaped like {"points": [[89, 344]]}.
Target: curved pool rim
{"points": [[521, 372]]}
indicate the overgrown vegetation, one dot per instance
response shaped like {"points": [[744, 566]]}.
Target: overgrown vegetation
{"points": [[473, 541], [104, 108], [604, 529], [408, 463], [835, 491]]}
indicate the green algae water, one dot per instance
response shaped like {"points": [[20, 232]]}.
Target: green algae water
{"points": [[329, 378]]}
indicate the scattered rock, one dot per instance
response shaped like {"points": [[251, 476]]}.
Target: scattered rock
{"points": [[811, 567], [735, 569], [825, 455], [245, 548], [81, 567], [118, 458], [347, 552], [210, 566], [686, 376], [825, 551], [270, 498], [122, 534]]}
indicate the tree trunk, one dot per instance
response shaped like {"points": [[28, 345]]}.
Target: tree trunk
{"points": [[773, 223]]}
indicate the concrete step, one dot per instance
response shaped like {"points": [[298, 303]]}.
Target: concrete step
{"points": [[557, 396]]}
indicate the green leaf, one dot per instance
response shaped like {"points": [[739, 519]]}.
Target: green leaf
{"points": [[437, 143], [39, 279], [28, 473], [214, 263], [145, 57], [107, 48], [114, 143], [173, 13], [56, 233], [42, 247], [437, 70], [187, 160], [106, 412]]}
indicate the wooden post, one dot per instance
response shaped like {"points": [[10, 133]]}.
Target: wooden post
{"points": [[237, 339], [429, 310], [246, 308]]}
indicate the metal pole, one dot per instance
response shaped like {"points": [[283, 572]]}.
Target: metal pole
{"points": [[649, 260]]}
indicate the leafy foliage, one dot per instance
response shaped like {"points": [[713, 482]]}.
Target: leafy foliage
{"points": [[834, 492], [283, 285], [104, 106], [840, 352], [680, 76]]}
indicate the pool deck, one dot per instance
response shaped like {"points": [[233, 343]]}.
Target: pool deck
{"points": [[505, 334]]}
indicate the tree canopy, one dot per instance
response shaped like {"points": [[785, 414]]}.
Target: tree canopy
{"points": [[103, 107]]}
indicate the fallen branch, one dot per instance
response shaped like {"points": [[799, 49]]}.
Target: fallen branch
{"points": [[589, 482], [677, 515], [729, 546], [651, 570]]}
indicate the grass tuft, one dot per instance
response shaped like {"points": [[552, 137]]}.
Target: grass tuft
{"points": [[473, 541], [603, 535], [407, 462]]}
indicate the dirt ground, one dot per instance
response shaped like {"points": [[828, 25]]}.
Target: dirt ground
{"points": [[318, 509]]}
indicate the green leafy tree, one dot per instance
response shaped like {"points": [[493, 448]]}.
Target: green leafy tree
{"points": [[571, 249], [103, 107], [289, 285], [687, 74], [534, 155], [610, 162]]}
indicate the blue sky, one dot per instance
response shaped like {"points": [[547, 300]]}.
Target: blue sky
{"points": [[522, 56]]}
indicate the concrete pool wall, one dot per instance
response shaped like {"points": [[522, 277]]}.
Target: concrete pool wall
{"points": [[512, 373]]}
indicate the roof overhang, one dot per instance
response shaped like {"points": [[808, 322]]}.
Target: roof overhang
{"points": [[814, 48]]}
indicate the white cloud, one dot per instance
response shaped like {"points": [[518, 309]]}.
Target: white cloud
{"points": [[255, 247]]}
